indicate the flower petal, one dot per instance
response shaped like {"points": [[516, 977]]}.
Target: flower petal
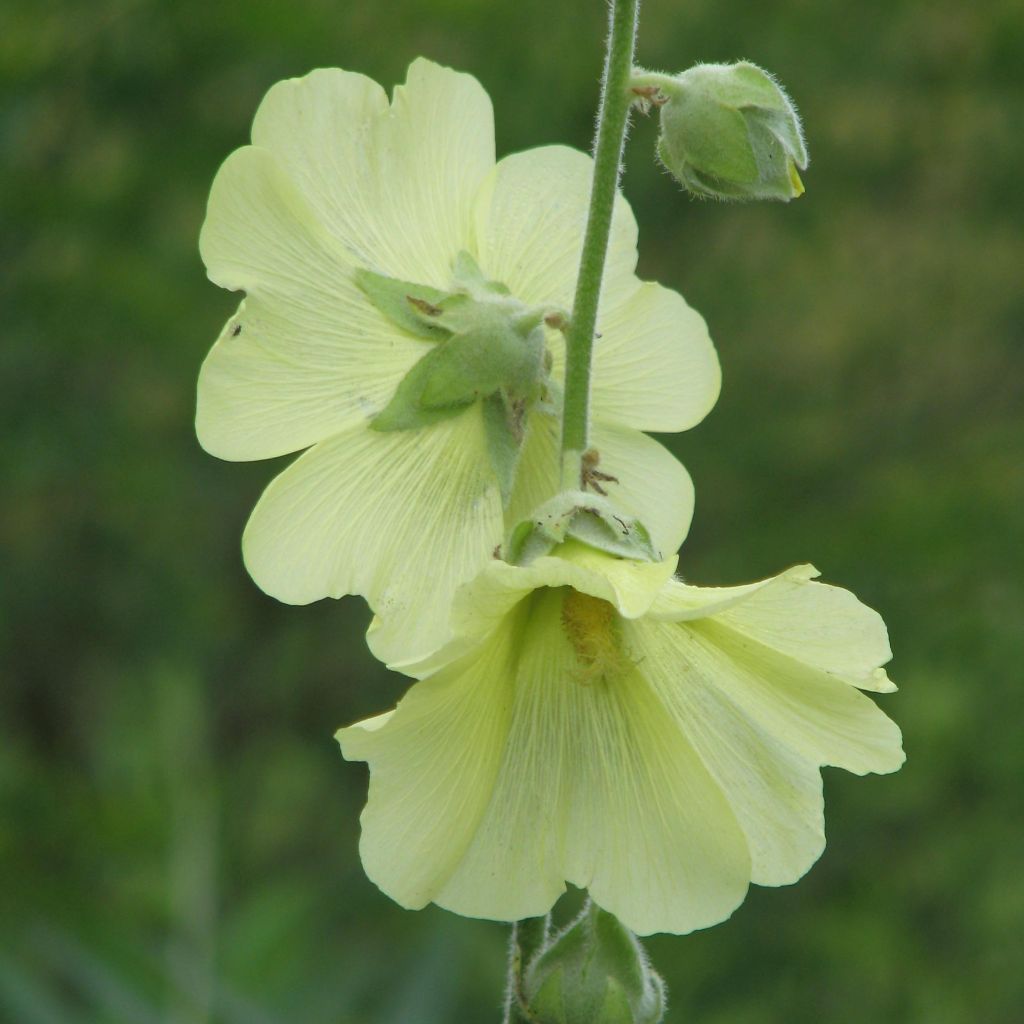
{"points": [[822, 626], [402, 518], [654, 365], [481, 604], [820, 717], [775, 793], [762, 678], [598, 787], [595, 785], [291, 367], [394, 185], [652, 484], [530, 218], [433, 761], [682, 602]]}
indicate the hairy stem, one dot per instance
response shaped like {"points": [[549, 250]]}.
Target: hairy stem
{"points": [[611, 135]]}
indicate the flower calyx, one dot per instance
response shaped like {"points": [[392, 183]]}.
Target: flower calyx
{"points": [[728, 131], [592, 519], [488, 347], [593, 972]]}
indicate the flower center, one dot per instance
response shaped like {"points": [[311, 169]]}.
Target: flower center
{"points": [[592, 628]]}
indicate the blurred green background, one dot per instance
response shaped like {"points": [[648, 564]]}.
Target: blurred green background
{"points": [[177, 829]]}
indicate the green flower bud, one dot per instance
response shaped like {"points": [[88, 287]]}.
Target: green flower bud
{"points": [[594, 972], [729, 131]]}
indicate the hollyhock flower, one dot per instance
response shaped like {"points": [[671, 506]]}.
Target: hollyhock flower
{"points": [[599, 722], [349, 223]]}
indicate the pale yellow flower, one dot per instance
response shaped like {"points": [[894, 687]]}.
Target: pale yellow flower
{"points": [[339, 181], [597, 721]]}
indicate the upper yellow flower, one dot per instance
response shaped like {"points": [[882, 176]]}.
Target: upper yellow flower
{"points": [[597, 721], [338, 183]]}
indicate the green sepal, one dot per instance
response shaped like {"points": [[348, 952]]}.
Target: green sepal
{"points": [[593, 972], [721, 149], [505, 426], [578, 515], [465, 367], [548, 1005], [601, 526], [616, 1006], [747, 85], [394, 299], [478, 361], [407, 410], [528, 940], [469, 277], [489, 347]]}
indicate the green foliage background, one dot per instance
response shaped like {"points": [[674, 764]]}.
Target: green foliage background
{"points": [[177, 830]]}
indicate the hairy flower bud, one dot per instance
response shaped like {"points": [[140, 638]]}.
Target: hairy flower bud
{"points": [[594, 972], [729, 131]]}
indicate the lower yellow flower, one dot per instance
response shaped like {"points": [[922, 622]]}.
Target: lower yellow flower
{"points": [[597, 721]]}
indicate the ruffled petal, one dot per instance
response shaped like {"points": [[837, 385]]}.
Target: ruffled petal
{"points": [[654, 365], [595, 786], [481, 604], [395, 186], [791, 653], [775, 793], [761, 678], [402, 518], [530, 218], [433, 762], [652, 484], [822, 626], [306, 355], [820, 717]]}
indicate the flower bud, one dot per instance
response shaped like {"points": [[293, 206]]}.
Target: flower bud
{"points": [[729, 131], [594, 972]]}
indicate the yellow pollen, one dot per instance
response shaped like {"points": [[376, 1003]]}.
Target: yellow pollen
{"points": [[592, 627]]}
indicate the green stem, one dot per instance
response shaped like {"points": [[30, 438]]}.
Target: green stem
{"points": [[529, 936], [611, 135], [640, 79]]}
